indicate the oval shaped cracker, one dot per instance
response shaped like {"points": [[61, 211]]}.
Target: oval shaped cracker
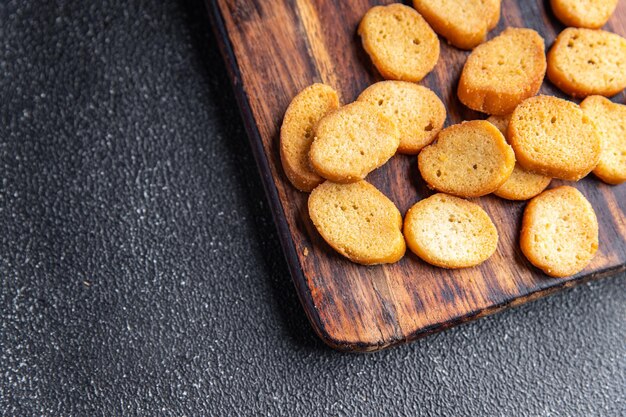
{"points": [[470, 159], [464, 23], [610, 120], [296, 133], [591, 14], [450, 232], [358, 221], [553, 137], [416, 110], [400, 43], [584, 62], [559, 231], [352, 141], [501, 73], [522, 185]]}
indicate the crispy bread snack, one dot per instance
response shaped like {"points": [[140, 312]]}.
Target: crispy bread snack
{"points": [[553, 137], [501, 73], [296, 133], [584, 62], [559, 231], [464, 23], [358, 221], [610, 120], [450, 232], [399, 41], [592, 14], [416, 110], [352, 141], [470, 159]]}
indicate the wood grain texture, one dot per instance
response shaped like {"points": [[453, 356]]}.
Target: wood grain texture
{"points": [[276, 48]]}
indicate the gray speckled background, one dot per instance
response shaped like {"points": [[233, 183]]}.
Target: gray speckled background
{"points": [[140, 269]]}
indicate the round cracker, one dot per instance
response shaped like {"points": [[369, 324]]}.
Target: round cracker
{"points": [[358, 221], [464, 23], [584, 62], [553, 137], [400, 43], [610, 120], [592, 14], [450, 232], [296, 133], [559, 231], [416, 110], [501, 73], [352, 141], [470, 159]]}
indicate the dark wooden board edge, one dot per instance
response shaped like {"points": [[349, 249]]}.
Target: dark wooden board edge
{"points": [[256, 144], [514, 302], [286, 241]]}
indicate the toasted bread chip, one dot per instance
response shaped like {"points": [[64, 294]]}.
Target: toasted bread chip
{"points": [[450, 232], [416, 110], [400, 43], [585, 62], [358, 221], [470, 159], [610, 120], [352, 141], [501, 73], [559, 231], [296, 133], [592, 14], [464, 23], [553, 137]]}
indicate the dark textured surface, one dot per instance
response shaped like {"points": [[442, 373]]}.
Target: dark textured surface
{"points": [[141, 273]]}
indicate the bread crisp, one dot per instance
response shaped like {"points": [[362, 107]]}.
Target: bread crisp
{"points": [[610, 120], [553, 137], [352, 141], [416, 110], [591, 14], [502, 72], [450, 232], [358, 221], [296, 133], [584, 62], [464, 23], [522, 184], [559, 231], [470, 159], [399, 41]]}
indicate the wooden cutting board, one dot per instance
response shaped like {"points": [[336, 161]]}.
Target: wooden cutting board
{"points": [[275, 48]]}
